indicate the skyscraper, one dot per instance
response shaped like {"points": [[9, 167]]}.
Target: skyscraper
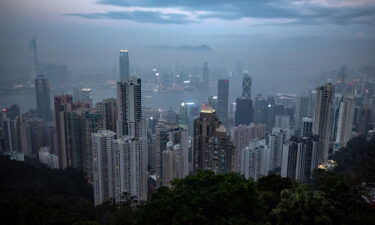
{"points": [[76, 94], [289, 159], [34, 133], [255, 159], [307, 126], [170, 142], [275, 143], [189, 111], [25, 134], [322, 119], [246, 85], [213, 149], [61, 103], [129, 110], [74, 127], [364, 120], [175, 157], [260, 109], [72, 152], [244, 105], [282, 122], [299, 158], [11, 112], [43, 102], [241, 137], [34, 63], [306, 157], [132, 133], [10, 126], [160, 141], [178, 136], [86, 96], [244, 111], [131, 167], [335, 115], [108, 109], [345, 120], [124, 65], [92, 122], [168, 167], [302, 110], [116, 167], [222, 103], [272, 109], [103, 155]]}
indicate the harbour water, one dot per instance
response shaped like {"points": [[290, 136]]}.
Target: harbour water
{"points": [[162, 100]]}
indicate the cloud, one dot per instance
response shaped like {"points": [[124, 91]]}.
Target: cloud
{"points": [[138, 16], [340, 12]]}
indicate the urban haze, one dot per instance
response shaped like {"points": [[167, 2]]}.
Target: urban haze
{"points": [[187, 112]]}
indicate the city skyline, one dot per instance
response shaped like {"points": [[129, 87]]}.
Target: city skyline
{"points": [[187, 112], [278, 42]]}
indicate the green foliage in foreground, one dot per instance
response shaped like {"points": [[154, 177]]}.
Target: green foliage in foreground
{"points": [[206, 199], [35, 194], [357, 160]]}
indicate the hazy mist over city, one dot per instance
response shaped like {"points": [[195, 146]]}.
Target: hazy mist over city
{"points": [[184, 112], [279, 40]]}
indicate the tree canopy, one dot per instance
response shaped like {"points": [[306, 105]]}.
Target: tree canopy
{"points": [[31, 193]]}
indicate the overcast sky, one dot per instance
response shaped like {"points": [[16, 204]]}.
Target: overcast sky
{"points": [[306, 36]]}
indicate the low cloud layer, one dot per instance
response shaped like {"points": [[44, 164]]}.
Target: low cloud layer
{"points": [[340, 12], [138, 16]]}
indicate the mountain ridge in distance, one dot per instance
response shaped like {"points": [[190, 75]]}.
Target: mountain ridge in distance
{"points": [[198, 48]]}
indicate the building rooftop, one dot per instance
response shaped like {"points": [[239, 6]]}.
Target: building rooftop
{"points": [[207, 109], [221, 129]]}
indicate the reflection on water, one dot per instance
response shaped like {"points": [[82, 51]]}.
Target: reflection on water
{"points": [[150, 99]]}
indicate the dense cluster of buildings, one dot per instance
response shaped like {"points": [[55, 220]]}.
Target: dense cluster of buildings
{"points": [[121, 146]]}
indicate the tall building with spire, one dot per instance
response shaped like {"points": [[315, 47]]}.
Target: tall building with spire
{"points": [[246, 85], [43, 102], [124, 65], [322, 119], [33, 60], [244, 105]]}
